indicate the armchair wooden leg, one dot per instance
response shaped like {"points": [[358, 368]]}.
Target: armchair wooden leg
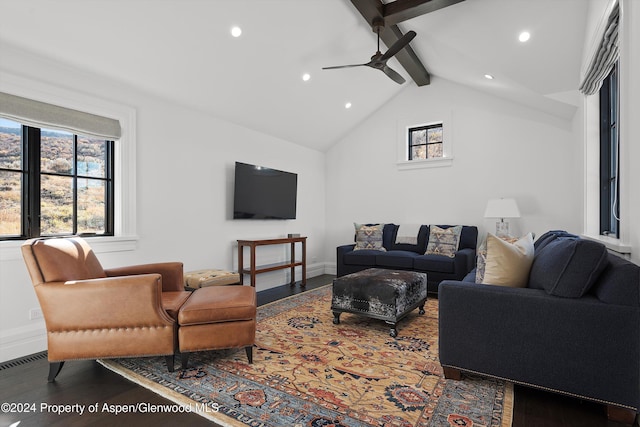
{"points": [[452, 373], [249, 350], [170, 360], [621, 415], [54, 370], [184, 358]]}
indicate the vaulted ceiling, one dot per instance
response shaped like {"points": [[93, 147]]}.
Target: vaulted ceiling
{"points": [[182, 50]]}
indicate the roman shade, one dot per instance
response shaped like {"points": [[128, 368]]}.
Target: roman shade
{"points": [[43, 115], [605, 57]]}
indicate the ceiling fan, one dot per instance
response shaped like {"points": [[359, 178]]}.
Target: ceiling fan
{"points": [[379, 60]]}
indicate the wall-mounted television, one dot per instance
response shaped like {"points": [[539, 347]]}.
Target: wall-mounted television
{"points": [[264, 193]]}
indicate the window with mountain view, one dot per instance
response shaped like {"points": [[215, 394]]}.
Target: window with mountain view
{"points": [[54, 183]]}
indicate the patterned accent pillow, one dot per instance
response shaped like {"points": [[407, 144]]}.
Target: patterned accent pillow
{"points": [[369, 237], [443, 241]]}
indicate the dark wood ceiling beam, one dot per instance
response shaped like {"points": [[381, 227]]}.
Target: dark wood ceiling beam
{"points": [[407, 57], [402, 10], [374, 9]]}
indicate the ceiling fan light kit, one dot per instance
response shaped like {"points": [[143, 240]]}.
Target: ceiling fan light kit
{"points": [[379, 60]]}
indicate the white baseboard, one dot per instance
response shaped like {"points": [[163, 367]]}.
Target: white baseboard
{"points": [[23, 341], [313, 270], [330, 268]]}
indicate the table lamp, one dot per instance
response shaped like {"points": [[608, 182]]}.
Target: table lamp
{"points": [[502, 208]]}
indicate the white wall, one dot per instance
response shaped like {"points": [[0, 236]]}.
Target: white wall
{"points": [[501, 149], [184, 173]]}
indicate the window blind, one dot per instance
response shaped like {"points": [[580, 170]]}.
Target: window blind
{"points": [[43, 115], [605, 57]]}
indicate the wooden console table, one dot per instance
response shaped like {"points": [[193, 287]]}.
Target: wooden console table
{"points": [[292, 263]]}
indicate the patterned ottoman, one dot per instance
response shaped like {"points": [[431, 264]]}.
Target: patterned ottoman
{"points": [[381, 294], [210, 277]]}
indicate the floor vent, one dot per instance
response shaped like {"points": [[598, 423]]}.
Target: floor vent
{"points": [[23, 360]]}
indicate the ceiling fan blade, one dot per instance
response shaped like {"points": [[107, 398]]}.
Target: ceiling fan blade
{"points": [[398, 46], [393, 75], [343, 66]]}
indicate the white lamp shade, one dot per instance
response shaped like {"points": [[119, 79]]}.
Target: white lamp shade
{"points": [[502, 208]]}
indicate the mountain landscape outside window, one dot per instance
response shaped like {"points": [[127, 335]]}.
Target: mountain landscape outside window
{"points": [[54, 183]]}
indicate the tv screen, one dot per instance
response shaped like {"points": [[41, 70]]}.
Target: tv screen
{"points": [[264, 193]]}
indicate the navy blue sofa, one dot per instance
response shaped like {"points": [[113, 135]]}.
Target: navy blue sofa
{"points": [[575, 328], [411, 257]]}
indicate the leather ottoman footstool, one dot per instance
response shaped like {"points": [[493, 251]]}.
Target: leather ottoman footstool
{"points": [[379, 293], [216, 318]]}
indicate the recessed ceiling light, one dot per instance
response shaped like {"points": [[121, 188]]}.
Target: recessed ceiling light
{"points": [[347, 105], [524, 36], [236, 31], [488, 76], [306, 77]]}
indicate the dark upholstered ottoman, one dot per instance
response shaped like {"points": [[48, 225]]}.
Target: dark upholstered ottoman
{"points": [[381, 294]]}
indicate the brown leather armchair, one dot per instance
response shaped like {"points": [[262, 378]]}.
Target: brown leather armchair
{"points": [[93, 313]]}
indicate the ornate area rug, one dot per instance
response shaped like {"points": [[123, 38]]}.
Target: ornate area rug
{"points": [[308, 372]]}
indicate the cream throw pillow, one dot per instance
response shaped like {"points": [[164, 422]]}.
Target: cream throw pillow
{"points": [[508, 264]]}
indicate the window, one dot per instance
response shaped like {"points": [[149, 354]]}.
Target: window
{"points": [[609, 156], [54, 183], [425, 142]]}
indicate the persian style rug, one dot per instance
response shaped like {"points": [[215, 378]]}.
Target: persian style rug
{"points": [[308, 372]]}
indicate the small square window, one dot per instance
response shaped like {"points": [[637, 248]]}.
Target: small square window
{"points": [[426, 142]]}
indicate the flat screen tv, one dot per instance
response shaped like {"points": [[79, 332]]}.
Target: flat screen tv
{"points": [[264, 193]]}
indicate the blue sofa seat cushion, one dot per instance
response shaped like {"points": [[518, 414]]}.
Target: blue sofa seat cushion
{"points": [[362, 257], [568, 266], [396, 259], [619, 283], [436, 263]]}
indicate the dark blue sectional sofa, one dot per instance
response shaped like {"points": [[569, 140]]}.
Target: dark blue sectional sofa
{"points": [[411, 257], [575, 328]]}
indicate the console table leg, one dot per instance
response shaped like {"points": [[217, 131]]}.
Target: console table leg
{"points": [[304, 263]]}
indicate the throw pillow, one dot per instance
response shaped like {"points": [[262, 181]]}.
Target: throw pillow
{"points": [[369, 237], [443, 241], [568, 266], [481, 259], [508, 264]]}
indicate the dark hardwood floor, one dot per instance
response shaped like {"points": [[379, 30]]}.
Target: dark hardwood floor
{"points": [[23, 382]]}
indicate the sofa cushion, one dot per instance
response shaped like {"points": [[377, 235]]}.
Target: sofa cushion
{"points": [[419, 247], [549, 237], [362, 257], [568, 266], [508, 264], [619, 283], [443, 241], [435, 263], [369, 237], [396, 259]]}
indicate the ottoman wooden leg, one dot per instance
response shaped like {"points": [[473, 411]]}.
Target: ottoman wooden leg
{"points": [[393, 332], [336, 318], [421, 308], [249, 350]]}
